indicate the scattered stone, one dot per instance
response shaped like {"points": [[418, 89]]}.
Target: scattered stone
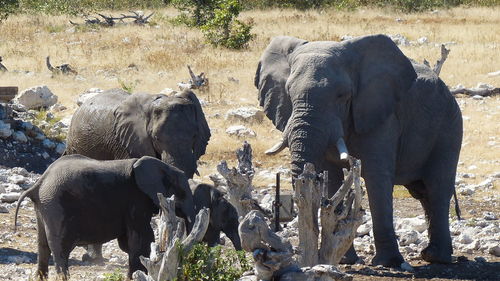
{"points": [[17, 179], [168, 92], [5, 130], [45, 155], [240, 131], [87, 94], [494, 250], [36, 97], [60, 148], [4, 209], [494, 74], [9, 197], [245, 114], [477, 97], [48, 143], [407, 267], [58, 107], [20, 137]]}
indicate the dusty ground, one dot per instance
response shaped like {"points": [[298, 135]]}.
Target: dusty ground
{"points": [[161, 53]]}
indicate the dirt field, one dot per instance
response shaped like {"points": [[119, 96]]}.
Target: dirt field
{"points": [[161, 53]]}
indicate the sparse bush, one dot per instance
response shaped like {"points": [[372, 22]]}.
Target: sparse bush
{"points": [[114, 276], [195, 12], [7, 7], [224, 29], [205, 263]]}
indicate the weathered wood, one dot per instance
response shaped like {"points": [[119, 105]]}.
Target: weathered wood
{"points": [[307, 197], [239, 182], [163, 262], [8, 93], [2, 67], [339, 229], [440, 62], [484, 92]]}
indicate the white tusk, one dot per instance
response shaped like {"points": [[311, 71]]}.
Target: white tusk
{"points": [[344, 154], [277, 148]]}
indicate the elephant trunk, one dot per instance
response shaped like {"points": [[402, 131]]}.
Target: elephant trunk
{"points": [[183, 160]]}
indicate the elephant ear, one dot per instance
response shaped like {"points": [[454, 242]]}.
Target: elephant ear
{"points": [[271, 76], [203, 134], [153, 176], [384, 74], [131, 122]]}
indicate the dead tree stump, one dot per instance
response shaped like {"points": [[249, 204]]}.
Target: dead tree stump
{"points": [[239, 181], [163, 262], [340, 217]]}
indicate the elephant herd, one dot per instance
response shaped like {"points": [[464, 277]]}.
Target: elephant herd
{"points": [[361, 97]]}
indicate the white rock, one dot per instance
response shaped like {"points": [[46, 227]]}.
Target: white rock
{"points": [[482, 85], [58, 107], [417, 223], [45, 155], [422, 40], [363, 229], [399, 39], [240, 131], [36, 97], [48, 143], [17, 179], [409, 237], [472, 167], [245, 114], [494, 74], [494, 249], [5, 130], [477, 97], [60, 148], [466, 190], [87, 95], [168, 92], [20, 136], [464, 238], [9, 197]]}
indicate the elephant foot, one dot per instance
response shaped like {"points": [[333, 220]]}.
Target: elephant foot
{"points": [[433, 254], [394, 261], [350, 257], [93, 259]]}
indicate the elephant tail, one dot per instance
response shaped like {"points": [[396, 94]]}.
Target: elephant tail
{"points": [[27, 193], [457, 208]]}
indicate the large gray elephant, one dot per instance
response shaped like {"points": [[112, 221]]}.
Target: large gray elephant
{"points": [[363, 97], [119, 125], [79, 200]]}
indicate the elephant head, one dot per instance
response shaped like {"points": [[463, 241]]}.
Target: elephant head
{"points": [[171, 128], [153, 176], [318, 93]]}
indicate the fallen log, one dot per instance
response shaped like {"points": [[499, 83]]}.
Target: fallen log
{"points": [[483, 92]]}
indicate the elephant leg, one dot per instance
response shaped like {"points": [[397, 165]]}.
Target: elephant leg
{"points": [[379, 185], [43, 251], [123, 243], [436, 204], [212, 236], [60, 249], [93, 254], [138, 245]]}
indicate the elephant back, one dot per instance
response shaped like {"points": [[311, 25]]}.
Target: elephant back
{"points": [[89, 132]]}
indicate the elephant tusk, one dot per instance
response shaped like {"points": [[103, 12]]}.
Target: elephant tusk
{"points": [[342, 148], [277, 148]]}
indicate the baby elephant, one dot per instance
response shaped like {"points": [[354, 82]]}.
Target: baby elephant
{"points": [[223, 216], [80, 201]]}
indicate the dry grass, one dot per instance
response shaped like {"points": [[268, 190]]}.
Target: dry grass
{"points": [[162, 53]]}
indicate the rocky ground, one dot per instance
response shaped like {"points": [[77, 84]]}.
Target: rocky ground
{"points": [[29, 143]]}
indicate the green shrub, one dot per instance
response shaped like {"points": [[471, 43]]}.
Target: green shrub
{"points": [[7, 7], [205, 263], [114, 276], [195, 12], [224, 29]]}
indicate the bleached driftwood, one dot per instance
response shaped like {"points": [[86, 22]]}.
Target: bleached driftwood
{"points": [[2, 67], [239, 181], [484, 92], [60, 69], [340, 217], [195, 81], [439, 63], [139, 18], [163, 262]]}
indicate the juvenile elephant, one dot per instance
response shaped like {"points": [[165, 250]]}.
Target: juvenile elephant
{"points": [[223, 215], [79, 201], [365, 98], [118, 125]]}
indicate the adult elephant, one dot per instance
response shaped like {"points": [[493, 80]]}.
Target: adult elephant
{"points": [[119, 125], [363, 97]]}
